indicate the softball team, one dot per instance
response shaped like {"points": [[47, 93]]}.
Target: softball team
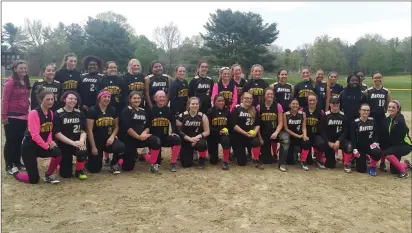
{"points": [[92, 115]]}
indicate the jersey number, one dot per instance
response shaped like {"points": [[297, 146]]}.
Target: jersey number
{"points": [[370, 134], [381, 103], [76, 129], [92, 87], [338, 129], [298, 128], [287, 96], [249, 121]]}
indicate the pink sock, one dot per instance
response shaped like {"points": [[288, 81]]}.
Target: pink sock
{"points": [[58, 167], [347, 158], [80, 165], [54, 162], [304, 155], [373, 163], [256, 153], [274, 148], [151, 158], [395, 162], [106, 155], [175, 153], [404, 165], [202, 154], [120, 162], [23, 177], [226, 153], [318, 155]]}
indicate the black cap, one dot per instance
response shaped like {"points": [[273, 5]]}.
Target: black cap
{"points": [[334, 100]]}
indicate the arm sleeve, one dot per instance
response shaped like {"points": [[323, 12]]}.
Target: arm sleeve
{"points": [[296, 90], [191, 91], [33, 124], [7, 91], [280, 109], [257, 118], [353, 135], [125, 90], [83, 124], [90, 114], [214, 92], [245, 87], [344, 129], [148, 121], [211, 86]]}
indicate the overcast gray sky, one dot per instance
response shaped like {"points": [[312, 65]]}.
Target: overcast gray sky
{"points": [[298, 23]]}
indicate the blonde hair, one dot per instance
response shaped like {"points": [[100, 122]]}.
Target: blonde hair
{"points": [[221, 72], [251, 110], [310, 78], [129, 65], [232, 68], [253, 68], [190, 101]]}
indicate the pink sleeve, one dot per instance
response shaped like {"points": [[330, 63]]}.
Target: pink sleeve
{"points": [[280, 109], [33, 124], [234, 98], [7, 91], [214, 92], [301, 109], [50, 137]]}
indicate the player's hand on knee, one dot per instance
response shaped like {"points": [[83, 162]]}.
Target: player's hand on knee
{"points": [[95, 151]]}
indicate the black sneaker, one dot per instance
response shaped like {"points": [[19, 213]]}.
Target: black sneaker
{"points": [[51, 179], [257, 164], [201, 163], [155, 168], [9, 170], [115, 169], [347, 168], [382, 167], [225, 166], [173, 167], [353, 164], [403, 175], [409, 165], [21, 167], [304, 166], [81, 175], [283, 168]]}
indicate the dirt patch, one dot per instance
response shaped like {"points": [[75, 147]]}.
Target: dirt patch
{"points": [[242, 199]]}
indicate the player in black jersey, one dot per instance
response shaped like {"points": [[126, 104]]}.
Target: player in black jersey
{"points": [[237, 77], [245, 123], [351, 98], [256, 85], [102, 129], [270, 133], [134, 78], [179, 91], [162, 117], [115, 85], [193, 129], [219, 133], [38, 142], [49, 83], [361, 75], [378, 98], [67, 75], [304, 88], [322, 90], [70, 132], [201, 87], [134, 132], [314, 115], [86, 87], [226, 87], [156, 81], [364, 138], [283, 90], [334, 132], [294, 123], [335, 88]]}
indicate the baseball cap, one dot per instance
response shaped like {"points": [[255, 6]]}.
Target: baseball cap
{"points": [[334, 100]]}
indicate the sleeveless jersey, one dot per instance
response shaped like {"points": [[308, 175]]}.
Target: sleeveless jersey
{"points": [[312, 120], [320, 89], [191, 125], [377, 100], [227, 92], [295, 122], [268, 118], [218, 119], [70, 124], [157, 83], [283, 94]]}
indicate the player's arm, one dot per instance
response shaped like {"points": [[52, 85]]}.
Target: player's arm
{"points": [[147, 92]]}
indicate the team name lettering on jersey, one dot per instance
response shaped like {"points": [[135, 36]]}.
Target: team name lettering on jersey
{"points": [[46, 127], [159, 122], [244, 114], [294, 122], [283, 90], [335, 122], [70, 84], [269, 116], [182, 93], [366, 128], [377, 96], [159, 84], [203, 86], [139, 117], [52, 89], [105, 121], [219, 121], [90, 80], [71, 120], [193, 123], [136, 86], [114, 90]]}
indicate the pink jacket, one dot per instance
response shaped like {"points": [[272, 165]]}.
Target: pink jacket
{"points": [[15, 101]]}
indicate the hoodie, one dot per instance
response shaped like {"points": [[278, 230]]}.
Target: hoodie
{"points": [[351, 99]]}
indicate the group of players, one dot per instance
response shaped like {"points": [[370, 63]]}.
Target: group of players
{"points": [[91, 115]]}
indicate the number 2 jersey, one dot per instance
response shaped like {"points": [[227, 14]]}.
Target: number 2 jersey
{"points": [[283, 93], [363, 133], [334, 126], [70, 124], [87, 88]]}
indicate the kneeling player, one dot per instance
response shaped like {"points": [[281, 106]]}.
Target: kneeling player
{"points": [[69, 130]]}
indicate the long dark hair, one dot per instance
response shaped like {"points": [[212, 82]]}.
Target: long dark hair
{"points": [[151, 66], [16, 76]]}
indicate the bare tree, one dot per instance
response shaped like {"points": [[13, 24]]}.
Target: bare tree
{"points": [[168, 38]]}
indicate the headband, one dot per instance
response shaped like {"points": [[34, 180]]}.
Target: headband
{"points": [[102, 93], [398, 104]]}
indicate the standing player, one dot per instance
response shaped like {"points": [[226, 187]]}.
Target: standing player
{"points": [[351, 98], [38, 141], [256, 85], [322, 90], [335, 88], [361, 75], [162, 117], [201, 87], [245, 123], [70, 131], [226, 87], [134, 78], [283, 90], [67, 75], [219, 133], [156, 81], [334, 132], [86, 87], [193, 129], [304, 88], [179, 91], [49, 83], [237, 77], [102, 129]]}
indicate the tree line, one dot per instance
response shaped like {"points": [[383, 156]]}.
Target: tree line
{"points": [[230, 37]]}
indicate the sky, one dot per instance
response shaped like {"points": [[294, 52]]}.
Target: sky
{"points": [[298, 22]]}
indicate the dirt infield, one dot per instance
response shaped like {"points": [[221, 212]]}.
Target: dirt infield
{"points": [[242, 199]]}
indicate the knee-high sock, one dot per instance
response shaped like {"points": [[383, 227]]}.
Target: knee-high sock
{"points": [[23, 177], [346, 158], [151, 158], [319, 156], [256, 153], [80, 165], [106, 155], [304, 156], [54, 162], [274, 148], [395, 162], [226, 154], [175, 153], [120, 162], [202, 154]]}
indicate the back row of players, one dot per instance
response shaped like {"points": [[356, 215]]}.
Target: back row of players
{"points": [[252, 113]]}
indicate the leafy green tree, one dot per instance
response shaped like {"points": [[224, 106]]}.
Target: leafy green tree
{"points": [[146, 51]]}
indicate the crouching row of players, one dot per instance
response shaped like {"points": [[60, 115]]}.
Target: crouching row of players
{"points": [[258, 129]]}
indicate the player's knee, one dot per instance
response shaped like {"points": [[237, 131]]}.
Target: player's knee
{"points": [[284, 139], [376, 154], [118, 147], [34, 180], [347, 148], [255, 142], [154, 143], [55, 152], [225, 142], [201, 145], [174, 140], [81, 155]]}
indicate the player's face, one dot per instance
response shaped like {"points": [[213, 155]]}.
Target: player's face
{"points": [[283, 76], [319, 76], [294, 105], [71, 62], [361, 75], [333, 78], [203, 69], [135, 101], [305, 74], [247, 100], [269, 95], [160, 98], [49, 72], [377, 79], [48, 101], [92, 67], [220, 102], [257, 72], [364, 111], [237, 71], [392, 108], [225, 75], [70, 101], [135, 67], [111, 69], [181, 72], [335, 107], [157, 69], [21, 70], [194, 105], [354, 81], [312, 100], [105, 100]]}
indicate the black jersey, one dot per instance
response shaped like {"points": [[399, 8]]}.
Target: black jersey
{"points": [[313, 120], [103, 123], [256, 88], [160, 118], [302, 91], [241, 117], [239, 87], [191, 125], [363, 86], [378, 101], [54, 87], [218, 119], [334, 126], [135, 82], [320, 89], [117, 88], [70, 124], [68, 79], [335, 90], [157, 83], [201, 87], [178, 96], [46, 124], [136, 119], [227, 92], [268, 118], [283, 94], [363, 133], [295, 122], [86, 88]]}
